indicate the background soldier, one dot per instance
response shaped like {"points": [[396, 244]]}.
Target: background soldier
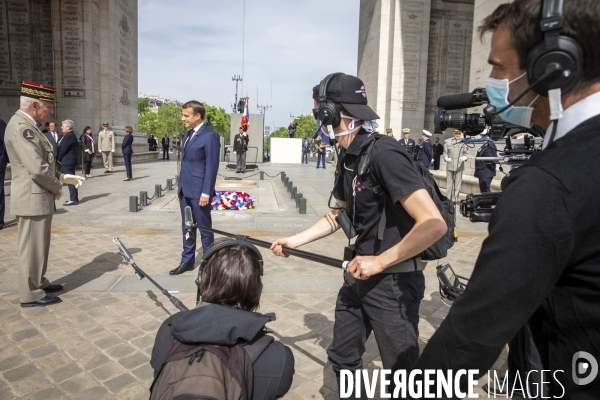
{"points": [[406, 142], [486, 170], [106, 146], [456, 154], [240, 146], [34, 187], [438, 150]]}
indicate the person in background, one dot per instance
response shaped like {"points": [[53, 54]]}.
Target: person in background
{"points": [[486, 170], [106, 146], [67, 158], [87, 141], [165, 141], [3, 163], [438, 151], [457, 152], [425, 152], [127, 149], [305, 150]]}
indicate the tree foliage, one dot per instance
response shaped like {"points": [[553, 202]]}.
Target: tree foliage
{"points": [[306, 126], [168, 119], [143, 105]]}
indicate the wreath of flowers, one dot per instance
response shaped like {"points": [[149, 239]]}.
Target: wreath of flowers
{"points": [[230, 200]]}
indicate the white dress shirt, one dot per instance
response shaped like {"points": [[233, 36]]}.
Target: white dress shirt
{"points": [[581, 111]]}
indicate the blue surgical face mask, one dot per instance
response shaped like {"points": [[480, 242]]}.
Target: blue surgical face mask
{"points": [[497, 92]]}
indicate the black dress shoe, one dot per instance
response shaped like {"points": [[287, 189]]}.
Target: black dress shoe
{"points": [[183, 267], [53, 288], [125, 180], [46, 301]]}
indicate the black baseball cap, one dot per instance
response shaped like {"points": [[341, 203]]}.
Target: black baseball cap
{"points": [[350, 92]]}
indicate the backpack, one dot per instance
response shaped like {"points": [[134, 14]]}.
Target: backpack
{"points": [[208, 371], [445, 206]]}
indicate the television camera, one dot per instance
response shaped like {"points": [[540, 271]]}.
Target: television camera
{"points": [[521, 142]]}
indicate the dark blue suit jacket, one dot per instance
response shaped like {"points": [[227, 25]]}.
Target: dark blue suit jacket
{"points": [[486, 169], [67, 151], [425, 153], [126, 145], [199, 163], [3, 153]]}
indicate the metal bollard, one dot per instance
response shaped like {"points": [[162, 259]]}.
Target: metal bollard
{"points": [[293, 192], [302, 206], [283, 177], [157, 191], [262, 175], [286, 180], [133, 204], [289, 185], [143, 199], [298, 197], [169, 184]]}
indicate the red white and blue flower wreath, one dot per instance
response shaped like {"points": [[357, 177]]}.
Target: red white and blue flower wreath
{"points": [[230, 200]]}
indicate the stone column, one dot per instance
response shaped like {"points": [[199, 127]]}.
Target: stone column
{"points": [[392, 59], [449, 59]]}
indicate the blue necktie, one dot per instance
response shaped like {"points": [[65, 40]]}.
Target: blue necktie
{"points": [[190, 135]]}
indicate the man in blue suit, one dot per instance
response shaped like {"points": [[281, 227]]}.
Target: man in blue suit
{"points": [[67, 158], [3, 162], [425, 150], [486, 170], [199, 165]]}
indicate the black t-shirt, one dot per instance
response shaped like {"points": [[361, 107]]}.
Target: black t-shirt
{"points": [[397, 175], [540, 263]]}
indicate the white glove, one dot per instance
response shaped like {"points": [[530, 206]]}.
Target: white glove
{"points": [[448, 159], [463, 158], [58, 195], [99, 151], [234, 152], [432, 160], [497, 167], [72, 180], [113, 150]]}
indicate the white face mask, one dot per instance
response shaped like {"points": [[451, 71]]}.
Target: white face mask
{"points": [[497, 91], [368, 126]]}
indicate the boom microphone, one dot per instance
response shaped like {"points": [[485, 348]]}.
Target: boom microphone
{"points": [[190, 235], [463, 100]]}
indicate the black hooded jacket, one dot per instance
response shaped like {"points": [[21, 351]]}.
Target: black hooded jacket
{"points": [[215, 324]]}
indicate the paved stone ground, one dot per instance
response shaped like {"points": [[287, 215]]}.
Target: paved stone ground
{"points": [[96, 344]]}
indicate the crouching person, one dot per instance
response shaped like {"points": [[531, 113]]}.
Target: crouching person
{"points": [[220, 349]]}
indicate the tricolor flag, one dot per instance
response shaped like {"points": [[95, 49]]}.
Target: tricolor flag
{"points": [[245, 116]]}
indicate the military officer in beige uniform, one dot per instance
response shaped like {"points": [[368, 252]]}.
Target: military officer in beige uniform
{"points": [[455, 155], [34, 187], [106, 147]]}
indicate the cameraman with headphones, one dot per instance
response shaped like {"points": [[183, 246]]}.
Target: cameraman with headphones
{"points": [[540, 264], [384, 284]]}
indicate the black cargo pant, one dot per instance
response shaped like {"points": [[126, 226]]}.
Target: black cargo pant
{"points": [[387, 304]]}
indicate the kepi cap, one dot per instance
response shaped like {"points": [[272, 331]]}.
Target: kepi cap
{"points": [[37, 91], [350, 92], [456, 131], [405, 130], [105, 124]]}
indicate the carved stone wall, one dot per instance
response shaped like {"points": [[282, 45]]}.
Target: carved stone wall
{"points": [[409, 54], [86, 49]]}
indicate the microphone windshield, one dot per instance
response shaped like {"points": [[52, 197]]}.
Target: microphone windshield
{"points": [[189, 222], [455, 101]]}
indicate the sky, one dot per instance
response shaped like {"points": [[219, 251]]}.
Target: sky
{"points": [[191, 49]]}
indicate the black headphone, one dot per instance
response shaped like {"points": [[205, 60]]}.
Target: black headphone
{"points": [[557, 56], [220, 246], [328, 111]]}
